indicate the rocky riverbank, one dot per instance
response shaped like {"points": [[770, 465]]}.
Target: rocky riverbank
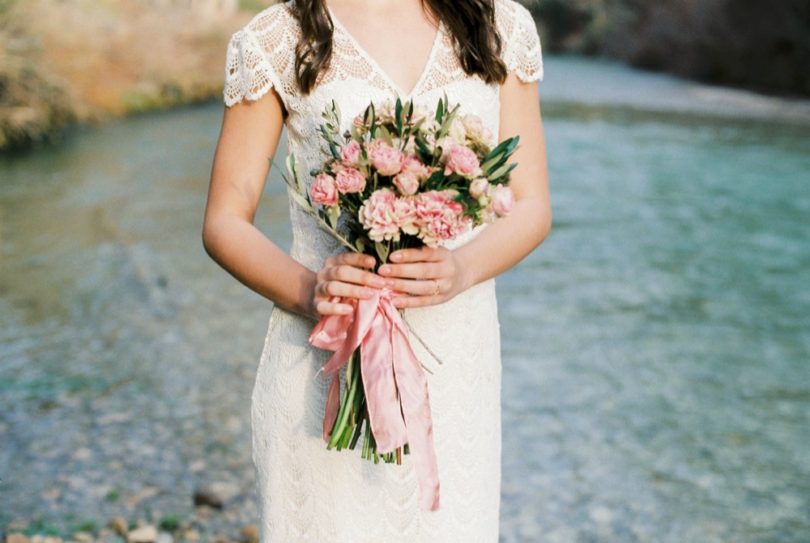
{"points": [[89, 61], [211, 521]]}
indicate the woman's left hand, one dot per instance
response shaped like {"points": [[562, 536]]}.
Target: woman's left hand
{"points": [[431, 275]]}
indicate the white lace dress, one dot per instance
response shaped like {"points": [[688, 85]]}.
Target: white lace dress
{"points": [[305, 492]]}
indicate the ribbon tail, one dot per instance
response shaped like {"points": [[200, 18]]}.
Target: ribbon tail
{"points": [[332, 408], [413, 392], [379, 384], [341, 334]]}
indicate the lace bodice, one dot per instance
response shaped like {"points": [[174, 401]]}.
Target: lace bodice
{"points": [[261, 56]]}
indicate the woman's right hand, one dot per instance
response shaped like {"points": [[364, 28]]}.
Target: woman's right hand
{"points": [[344, 275]]}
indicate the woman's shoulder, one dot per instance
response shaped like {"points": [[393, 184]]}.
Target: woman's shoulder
{"points": [[522, 50], [511, 15], [259, 55]]}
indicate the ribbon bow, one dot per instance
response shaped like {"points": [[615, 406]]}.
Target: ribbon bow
{"points": [[394, 382]]}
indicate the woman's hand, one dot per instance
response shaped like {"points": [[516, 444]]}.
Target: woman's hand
{"points": [[430, 275], [344, 275]]}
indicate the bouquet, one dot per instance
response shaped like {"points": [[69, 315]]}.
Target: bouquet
{"points": [[399, 177]]}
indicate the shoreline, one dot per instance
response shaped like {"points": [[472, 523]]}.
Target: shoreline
{"points": [[57, 79], [661, 95]]}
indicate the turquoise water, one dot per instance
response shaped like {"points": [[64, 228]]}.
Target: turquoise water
{"points": [[656, 346]]}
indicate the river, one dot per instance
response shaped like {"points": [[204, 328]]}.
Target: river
{"points": [[655, 347]]}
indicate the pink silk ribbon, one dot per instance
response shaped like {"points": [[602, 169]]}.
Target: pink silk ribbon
{"points": [[394, 382]]}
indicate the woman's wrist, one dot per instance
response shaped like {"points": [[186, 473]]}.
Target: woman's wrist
{"points": [[466, 267]]}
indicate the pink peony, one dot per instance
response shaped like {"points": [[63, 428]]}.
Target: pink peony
{"points": [[479, 187], [385, 159], [411, 176], [324, 190], [503, 199], [350, 154], [350, 180], [439, 217], [463, 161], [378, 215]]}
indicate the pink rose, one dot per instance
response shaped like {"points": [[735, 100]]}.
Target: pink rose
{"points": [[503, 199], [411, 163], [379, 216], [475, 128], [411, 176], [350, 154], [479, 187], [406, 182], [350, 180], [463, 161], [439, 217], [485, 214], [457, 131], [324, 190], [385, 159]]}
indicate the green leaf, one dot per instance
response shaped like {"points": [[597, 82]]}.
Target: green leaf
{"points": [[382, 250], [333, 212], [494, 162], [503, 171], [422, 145], [398, 116]]}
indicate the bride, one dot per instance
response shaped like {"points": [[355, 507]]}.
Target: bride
{"points": [[282, 68]]}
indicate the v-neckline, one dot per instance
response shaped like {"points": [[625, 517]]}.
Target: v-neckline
{"points": [[376, 66]]}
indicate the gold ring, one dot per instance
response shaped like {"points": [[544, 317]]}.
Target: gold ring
{"points": [[436, 290]]}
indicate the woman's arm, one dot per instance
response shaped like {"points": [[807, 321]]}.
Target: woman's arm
{"points": [[506, 241], [249, 135]]}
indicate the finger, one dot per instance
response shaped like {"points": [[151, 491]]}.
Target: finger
{"points": [[416, 270], [355, 259], [339, 288], [416, 301], [418, 254], [351, 274], [325, 307], [418, 288]]}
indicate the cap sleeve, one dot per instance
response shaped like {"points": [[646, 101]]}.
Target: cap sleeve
{"points": [[248, 74], [522, 51]]}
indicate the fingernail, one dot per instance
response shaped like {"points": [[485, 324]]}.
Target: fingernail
{"points": [[389, 282], [384, 269], [379, 282], [396, 256]]}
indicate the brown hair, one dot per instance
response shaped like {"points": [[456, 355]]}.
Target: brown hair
{"points": [[471, 24]]}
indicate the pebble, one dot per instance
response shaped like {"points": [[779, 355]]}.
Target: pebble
{"points": [[250, 533], [144, 534], [119, 525]]}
